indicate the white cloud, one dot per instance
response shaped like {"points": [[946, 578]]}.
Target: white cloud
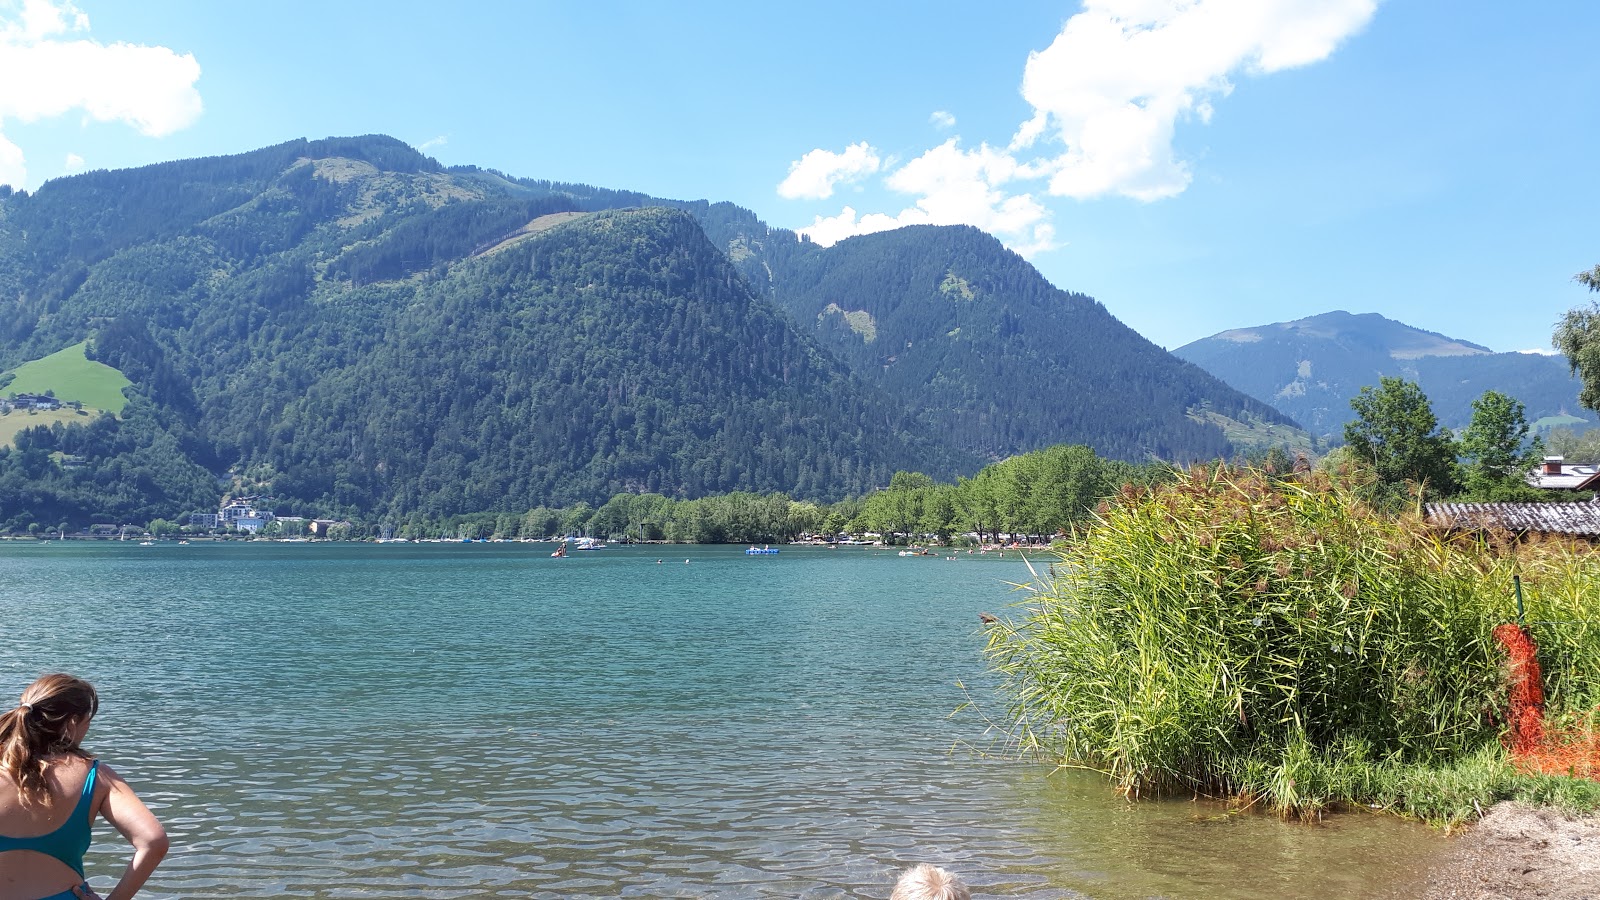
{"points": [[814, 176], [1540, 351], [1121, 74], [12, 169], [44, 74], [1108, 95], [439, 141], [74, 163], [954, 187]]}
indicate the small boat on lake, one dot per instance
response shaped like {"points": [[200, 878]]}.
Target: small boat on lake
{"points": [[561, 552], [761, 551]]}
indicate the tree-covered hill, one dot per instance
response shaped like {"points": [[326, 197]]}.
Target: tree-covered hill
{"points": [[355, 330], [980, 346], [973, 339], [615, 352], [1310, 368]]}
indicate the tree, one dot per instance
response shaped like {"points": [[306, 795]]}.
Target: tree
{"points": [[1497, 448], [1577, 336], [1577, 446], [1072, 481], [1396, 432]]}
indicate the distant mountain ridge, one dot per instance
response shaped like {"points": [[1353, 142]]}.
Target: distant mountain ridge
{"points": [[352, 328], [1310, 368]]}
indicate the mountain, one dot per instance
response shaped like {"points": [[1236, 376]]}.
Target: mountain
{"points": [[982, 348], [1310, 369], [354, 329]]}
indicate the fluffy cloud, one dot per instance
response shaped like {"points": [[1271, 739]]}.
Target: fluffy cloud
{"points": [[49, 67], [1121, 74], [1107, 97], [74, 163], [954, 187], [814, 175], [12, 169]]}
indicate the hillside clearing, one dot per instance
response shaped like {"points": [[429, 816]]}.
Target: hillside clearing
{"points": [[537, 226], [13, 422], [70, 375]]}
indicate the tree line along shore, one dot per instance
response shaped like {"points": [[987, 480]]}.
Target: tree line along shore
{"points": [[1031, 497]]}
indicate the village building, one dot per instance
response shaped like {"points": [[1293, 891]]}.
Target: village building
{"points": [[41, 402], [243, 514], [1556, 474]]}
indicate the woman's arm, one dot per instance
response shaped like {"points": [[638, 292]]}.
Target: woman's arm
{"points": [[128, 814]]}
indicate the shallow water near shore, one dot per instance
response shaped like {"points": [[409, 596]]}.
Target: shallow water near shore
{"points": [[440, 721]]}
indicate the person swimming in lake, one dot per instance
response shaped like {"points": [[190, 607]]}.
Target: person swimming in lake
{"points": [[51, 792], [927, 882]]}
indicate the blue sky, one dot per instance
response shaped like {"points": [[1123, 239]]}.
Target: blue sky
{"points": [[1196, 165]]}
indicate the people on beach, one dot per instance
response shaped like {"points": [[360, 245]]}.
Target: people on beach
{"points": [[925, 882], [51, 792]]}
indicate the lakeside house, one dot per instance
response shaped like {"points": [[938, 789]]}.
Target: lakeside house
{"points": [[243, 514], [1556, 474]]}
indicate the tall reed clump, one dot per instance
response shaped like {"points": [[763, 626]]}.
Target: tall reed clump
{"points": [[1279, 640]]}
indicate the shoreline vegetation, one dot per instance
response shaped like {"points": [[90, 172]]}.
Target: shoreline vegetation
{"points": [[1031, 498], [1279, 641]]}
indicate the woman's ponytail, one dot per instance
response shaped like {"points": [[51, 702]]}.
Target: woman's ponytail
{"points": [[41, 725]]}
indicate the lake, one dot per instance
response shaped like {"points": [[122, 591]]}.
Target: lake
{"points": [[470, 720]]}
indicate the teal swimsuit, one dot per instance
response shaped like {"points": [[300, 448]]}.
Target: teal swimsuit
{"points": [[69, 842]]}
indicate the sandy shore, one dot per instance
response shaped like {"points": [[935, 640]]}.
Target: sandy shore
{"points": [[1517, 851]]}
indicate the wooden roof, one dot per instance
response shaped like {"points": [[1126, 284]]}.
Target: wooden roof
{"points": [[1581, 519]]}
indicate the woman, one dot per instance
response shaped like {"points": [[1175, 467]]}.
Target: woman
{"points": [[51, 791]]}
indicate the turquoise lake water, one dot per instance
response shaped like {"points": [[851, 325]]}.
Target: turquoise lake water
{"points": [[441, 721]]}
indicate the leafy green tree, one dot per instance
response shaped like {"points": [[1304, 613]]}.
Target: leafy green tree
{"points": [[576, 518], [1577, 336], [897, 510], [1396, 432], [1071, 482], [939, 511], [1497, 450], [977, 504], [1576, 446]]}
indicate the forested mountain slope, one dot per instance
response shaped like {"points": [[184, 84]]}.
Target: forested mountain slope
{"points": [[343, 349], [984, 349], [973, 340], [353, 329], [1310, 368]]}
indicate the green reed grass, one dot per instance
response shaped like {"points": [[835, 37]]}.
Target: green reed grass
{"points": [[1282, 641]]}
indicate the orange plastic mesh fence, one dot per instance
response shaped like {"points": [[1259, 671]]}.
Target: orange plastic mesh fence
{"points": [[1534, 748]]}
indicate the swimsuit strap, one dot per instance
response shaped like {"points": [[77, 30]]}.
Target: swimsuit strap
{"points": [[70, 841]]}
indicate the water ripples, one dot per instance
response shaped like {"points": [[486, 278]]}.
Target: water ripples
{"points": [[444, 722]]}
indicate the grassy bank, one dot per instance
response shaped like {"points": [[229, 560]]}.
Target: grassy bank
{"points": [[1282, 642]]}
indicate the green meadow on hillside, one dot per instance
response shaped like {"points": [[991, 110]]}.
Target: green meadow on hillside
{"points": [[70, 375], [16, 420]]}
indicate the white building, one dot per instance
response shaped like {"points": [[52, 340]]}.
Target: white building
{"points": [[243, 514]]}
